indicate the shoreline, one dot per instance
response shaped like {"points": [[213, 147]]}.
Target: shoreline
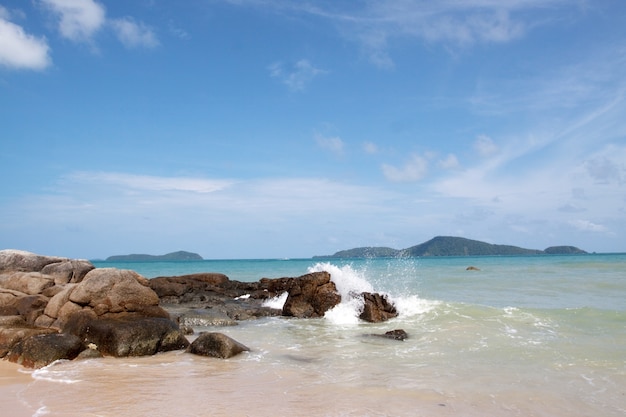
{"points": [[12, 383]]}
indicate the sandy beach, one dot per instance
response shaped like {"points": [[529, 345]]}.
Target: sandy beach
{"points": [[12, 382]]}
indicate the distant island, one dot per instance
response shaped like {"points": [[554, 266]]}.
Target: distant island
{"points": [[451, 246], [174, 256]]}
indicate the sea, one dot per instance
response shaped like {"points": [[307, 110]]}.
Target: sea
{"points": [[516, 336]]}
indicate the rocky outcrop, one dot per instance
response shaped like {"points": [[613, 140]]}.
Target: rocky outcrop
{"points": [[114, 310], [216, 345], [377, 308], [311, 295]]}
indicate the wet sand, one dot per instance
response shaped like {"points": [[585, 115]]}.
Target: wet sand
{"points": [[12, 383]]}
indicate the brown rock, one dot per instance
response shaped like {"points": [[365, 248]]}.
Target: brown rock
{"points": [[216, 345], [127, 336], [109, 290], [42, 349], [310, 295], [69, 271], [31, 283], [377, 308], [18, 260]]}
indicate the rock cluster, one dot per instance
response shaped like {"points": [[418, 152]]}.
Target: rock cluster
{"points": [[67, 305], [58, 308]]}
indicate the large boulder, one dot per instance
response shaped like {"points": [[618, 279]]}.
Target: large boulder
{"points": [[63, 269], [42, 349], [310, 295], [377, 308], [129, 336], [172, 288], [31, 283], [19, 260], [13, 329], [216, 345]]}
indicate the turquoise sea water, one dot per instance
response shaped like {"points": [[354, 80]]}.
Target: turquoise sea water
{"points": [[522, 336]]}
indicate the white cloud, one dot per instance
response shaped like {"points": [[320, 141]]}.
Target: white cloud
{"points": [[296, 78], [79, 20], [587, 226], [151, 183], [133, 34], [414, 170], [374, 25], [485, 146], [370, 148], [450, 162], [18, 49], [332, 143]]}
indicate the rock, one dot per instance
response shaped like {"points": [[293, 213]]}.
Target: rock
{"points": [[216, 345], [377, 308], [18, 260], [70, 271], [472, 268], [31, 283], [13, 329], [205, 318], [192, 283], [114, 290], [310, 295], [397, 334], [43, 349], [129, 336]]}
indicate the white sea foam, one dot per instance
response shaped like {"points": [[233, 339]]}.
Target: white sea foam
{"points": [[49, 373], [413, 305], [276, 302]]}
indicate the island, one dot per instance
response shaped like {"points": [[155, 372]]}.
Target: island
{"points": [[451, 246], [173, 256]]}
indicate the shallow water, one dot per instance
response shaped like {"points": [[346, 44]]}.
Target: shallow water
{"points": [[524, 336]]}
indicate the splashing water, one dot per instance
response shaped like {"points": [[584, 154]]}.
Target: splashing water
{"points": [[276, 302]]}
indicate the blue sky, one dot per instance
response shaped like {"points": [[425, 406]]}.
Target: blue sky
{"points": [[275, 128]]}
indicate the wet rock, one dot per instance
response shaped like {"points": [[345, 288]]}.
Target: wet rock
{"points": [[397, 334], [14, 329], [205, 318], [310, 295], [472, 268], [43, 349], [127, 336], [216, 345], [377, 308]]}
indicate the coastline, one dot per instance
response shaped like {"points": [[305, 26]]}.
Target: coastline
{"points": [[12, 383]]}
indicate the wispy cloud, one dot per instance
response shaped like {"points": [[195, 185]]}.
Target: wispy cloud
{"points": [[331, 143], [134, 34], [414, 170], [485, 146], [20, 50], [297, 76], [80, 21], [373, 25], [150, 183], [370, 148]]}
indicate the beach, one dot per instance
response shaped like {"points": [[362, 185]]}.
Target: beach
{"points": [[520, 336]]}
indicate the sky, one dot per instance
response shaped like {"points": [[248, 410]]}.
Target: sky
{"points": [[278, 128]]}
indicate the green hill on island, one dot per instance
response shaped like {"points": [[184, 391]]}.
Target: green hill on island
{"points": [[451, 246], [174, 256]]}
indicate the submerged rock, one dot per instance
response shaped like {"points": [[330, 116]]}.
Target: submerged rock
{"points": [[216, 345]]}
